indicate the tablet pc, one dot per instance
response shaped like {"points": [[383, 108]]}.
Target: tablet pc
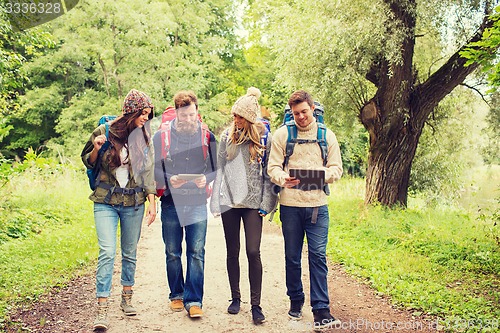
{"points": [[189, 176], [309, 179]]}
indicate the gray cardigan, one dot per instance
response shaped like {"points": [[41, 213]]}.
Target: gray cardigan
{"points": [[239, 183]]}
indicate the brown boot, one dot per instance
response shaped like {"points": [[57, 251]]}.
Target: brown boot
{"points": [[126, 303], [101, 321]]}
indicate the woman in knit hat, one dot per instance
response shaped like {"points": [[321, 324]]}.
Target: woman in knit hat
{"points": [[242, 191], [125, 182]]}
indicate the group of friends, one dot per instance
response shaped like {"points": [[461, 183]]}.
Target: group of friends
{"points": [[182, 164]]}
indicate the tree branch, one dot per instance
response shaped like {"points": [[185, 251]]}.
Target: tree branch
{"points": [[445, 79], [476, 90]]}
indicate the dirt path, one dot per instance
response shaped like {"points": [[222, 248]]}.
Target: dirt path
{"points": [[71, 309]]}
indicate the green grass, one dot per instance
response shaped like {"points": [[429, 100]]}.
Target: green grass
{"points": [[47, 234], [440, 261]]}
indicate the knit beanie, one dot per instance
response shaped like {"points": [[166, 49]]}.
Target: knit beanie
{"points": [[248, 106], [136, 101]]}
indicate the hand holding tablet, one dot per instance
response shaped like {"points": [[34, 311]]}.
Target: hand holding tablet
{"points": [[309, 179], [189, 176]]}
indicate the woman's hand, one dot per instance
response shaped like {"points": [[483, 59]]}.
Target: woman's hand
{"points": [[99, 141], [151, 212]]}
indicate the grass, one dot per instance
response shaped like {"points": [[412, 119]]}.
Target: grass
{"points": [[47, 234], [439, 261]]}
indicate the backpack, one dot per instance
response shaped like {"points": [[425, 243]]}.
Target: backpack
{"points": [[106, 119], [289, 122], [165, 130], [94, 173], [263, 139]]}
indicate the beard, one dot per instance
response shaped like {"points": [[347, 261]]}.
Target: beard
{"points": [[187, 127]]}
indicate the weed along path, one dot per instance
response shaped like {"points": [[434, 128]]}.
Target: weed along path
{"points": [[72, 308]]}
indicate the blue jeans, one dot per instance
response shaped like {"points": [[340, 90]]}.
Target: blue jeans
{"points": [[190, 289], [106, 224], [296, 221]]}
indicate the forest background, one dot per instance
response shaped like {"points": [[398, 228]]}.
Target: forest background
{"points": [[58, 78]]}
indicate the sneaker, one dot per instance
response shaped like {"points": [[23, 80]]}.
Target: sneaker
{"points": [[257, 315], [323, 319], [234, 307], [101, 321], [295, 311], [195, 312], [126, 304], [176, 305]]}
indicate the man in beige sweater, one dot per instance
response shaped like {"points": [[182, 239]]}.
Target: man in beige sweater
{"points": [[305, 212]]}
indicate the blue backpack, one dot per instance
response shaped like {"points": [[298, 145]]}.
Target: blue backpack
{"points": [[263, 139], [289, 122], [94, 173]]}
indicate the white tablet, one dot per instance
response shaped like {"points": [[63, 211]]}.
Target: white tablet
{"points": [[189, 176]]}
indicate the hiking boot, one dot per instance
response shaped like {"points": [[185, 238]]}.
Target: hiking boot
{"points": [[323, 319], [234, 307], [126, 303], [101, 321], [257, 315], [176, 305], [195, 312], [295, 311]]}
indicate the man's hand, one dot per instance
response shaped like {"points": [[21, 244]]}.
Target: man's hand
{"points": [[291, 182], [176, 182], [200, 182]]}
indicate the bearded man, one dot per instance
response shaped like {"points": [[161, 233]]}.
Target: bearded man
{"points": [[184, 173]]}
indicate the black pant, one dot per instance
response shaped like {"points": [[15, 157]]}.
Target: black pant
{"points": [[252, 222]]}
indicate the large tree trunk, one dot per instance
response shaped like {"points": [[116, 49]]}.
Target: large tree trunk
{"points": [[396, 115], [388, 173]]}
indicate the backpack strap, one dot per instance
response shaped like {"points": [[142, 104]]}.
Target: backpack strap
{"points": [[321, 138], [290, 142], [165, 129], [263, 141], [205, 139], [323, 145], [101, 152], [205, 145], [165, 137]]}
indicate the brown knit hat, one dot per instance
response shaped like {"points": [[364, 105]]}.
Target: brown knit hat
{"points": [[136, 101], [248, 106]]}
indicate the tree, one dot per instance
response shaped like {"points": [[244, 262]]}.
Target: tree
{"points": [[105, 48], [16, 48], [363, 57]]}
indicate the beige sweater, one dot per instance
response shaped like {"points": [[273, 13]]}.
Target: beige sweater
{"points": [[305, 156]]}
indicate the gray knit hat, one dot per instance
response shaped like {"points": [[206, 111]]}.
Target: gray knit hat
{"points": [[248, 106]]}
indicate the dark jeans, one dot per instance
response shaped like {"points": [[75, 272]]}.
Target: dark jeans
{"points": [[296, 221], [252, 223], [190, 289]]}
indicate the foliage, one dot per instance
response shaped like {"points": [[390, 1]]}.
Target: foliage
{"points": [[160, 48], [43, 212], [438, 261], [485, 52], [491, 151], [448, 148], [350, 53], [19, 219], [16, 48]]}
